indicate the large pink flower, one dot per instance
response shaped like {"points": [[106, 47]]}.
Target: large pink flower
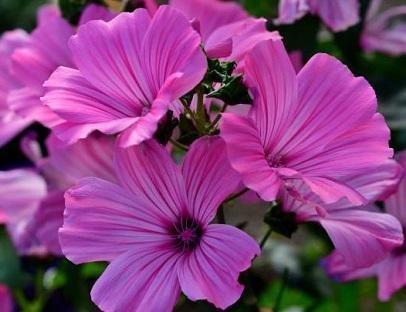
{"points": [[360, 235], [385, 29], [154, 227], [10, 123], [338, 15], [31, 200], [317, 127], [391, 271], [131, 70], [227, 30]]}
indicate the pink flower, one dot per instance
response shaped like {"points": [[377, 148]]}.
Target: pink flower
{"points": [[227, 30], [391, 271], [154, 227], [147, 65], [337, 15], [31, 201], [10, 123], [384, 29], [360, 235], [317, 127], [6, 304], [42, 53]]}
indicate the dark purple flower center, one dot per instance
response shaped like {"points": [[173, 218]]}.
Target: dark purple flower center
{"points": [[187, 233], [275, 160]]}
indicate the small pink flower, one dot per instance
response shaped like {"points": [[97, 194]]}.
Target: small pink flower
{"points": [[154, 227], [6, 304], [337, 15], [385, 29], [361, 235], [316, 127], [227, 30], [391, 271], [130, 71]]}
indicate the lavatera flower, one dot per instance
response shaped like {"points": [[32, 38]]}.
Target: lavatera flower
{"points": [[154, 228], [391, 270], [130, 71], [318, 126]]}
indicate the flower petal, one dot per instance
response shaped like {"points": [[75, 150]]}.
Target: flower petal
{"points": [[391, 276], [143, 279], [362, 237], [103, 221], [211, 271], [248, 159], [209, 178], [161, 185]]}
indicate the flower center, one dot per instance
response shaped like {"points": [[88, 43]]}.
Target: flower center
{"points": [[187, 233], [275, 160]]}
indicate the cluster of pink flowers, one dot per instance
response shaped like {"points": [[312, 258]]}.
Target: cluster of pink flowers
{"points": [[108, 190]]}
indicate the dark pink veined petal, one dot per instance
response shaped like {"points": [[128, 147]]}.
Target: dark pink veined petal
{"points": [[249, 158], [48, 219], [361, 237], [149, 171], [396, 203], [211, 271], [338, 15], [391, 276], [102, 221], [336, 268], [96, 12], [210, 14], [90, 157], [209, 178], [274, 89], [73, 98], [143, 279]]}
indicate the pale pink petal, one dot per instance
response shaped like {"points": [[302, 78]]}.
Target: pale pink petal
{"points": [[362, 237], [291, 10], [103, 221], [10, 126], [143, 279], [249, 158], [90, 157], [396, 203], [337, 268], [149, 171], [211, 271], [210, 14], [95, 12], [209, 178], [48, 219], [338, 15], [391, 276]]}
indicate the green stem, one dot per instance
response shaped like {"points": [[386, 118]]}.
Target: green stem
{"points": [[220, 215], [200, 112], [279, 296], [265, 238], [21, 300], [179, 145]]}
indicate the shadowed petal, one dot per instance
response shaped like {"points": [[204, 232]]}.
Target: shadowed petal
{"points": [[391, 276]]}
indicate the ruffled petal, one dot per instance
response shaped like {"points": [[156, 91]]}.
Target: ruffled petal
{"points": [[209, 178], [211, 271], [96, 12], [391, 276]]}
